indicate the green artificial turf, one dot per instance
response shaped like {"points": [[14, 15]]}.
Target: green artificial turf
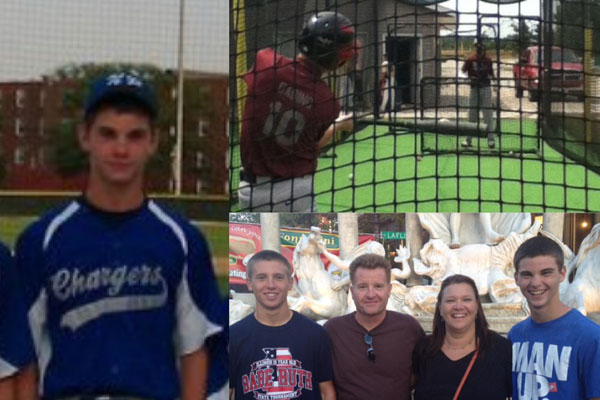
{"points": [[377, 170]]}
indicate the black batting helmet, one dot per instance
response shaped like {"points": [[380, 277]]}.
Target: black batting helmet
{"points": [[327, 37]]}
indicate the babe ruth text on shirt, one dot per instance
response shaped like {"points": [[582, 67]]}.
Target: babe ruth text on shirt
{"points": [[115, 298], [282, 362], [559, 359]]}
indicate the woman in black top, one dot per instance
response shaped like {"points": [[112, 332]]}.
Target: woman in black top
{"points": [[459, 330]]}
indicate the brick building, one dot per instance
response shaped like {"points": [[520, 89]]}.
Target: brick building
{"points": [[31, 113]]}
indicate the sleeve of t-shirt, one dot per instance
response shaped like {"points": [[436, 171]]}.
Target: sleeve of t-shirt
{"points": [[235, 350], [199, 311], [16, 347], [325, 364], [591, 365], [507, 361], [418, 353], [29, 267], [467, 65], [490, 68]]}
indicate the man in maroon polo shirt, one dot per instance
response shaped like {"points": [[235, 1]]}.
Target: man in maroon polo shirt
{"points": [[290, 114]]}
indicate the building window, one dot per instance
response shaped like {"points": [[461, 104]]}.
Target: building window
{"points": [[172, 131], [42, 157], [199, 159], [19, 156], [42, 98], [198, 186], [19, 128], [202, 127], [20, 98]]}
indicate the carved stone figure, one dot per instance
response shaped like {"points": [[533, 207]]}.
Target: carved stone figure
{"points": [[238, 310], [317, 299], [489, 266], [456, 229], [581, 288], [396, 300]]}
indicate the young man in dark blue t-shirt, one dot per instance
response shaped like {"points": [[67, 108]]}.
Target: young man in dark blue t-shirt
{"points": [[277, 353]]}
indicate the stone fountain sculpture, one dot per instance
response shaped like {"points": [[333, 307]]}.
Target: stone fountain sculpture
{"points": [[482, 252], [480, 247], [314, 285], [396, 300], [238, 310], [581, 287]]}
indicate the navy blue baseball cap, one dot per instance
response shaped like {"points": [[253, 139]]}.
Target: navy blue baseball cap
{"points": [[119, 84]]}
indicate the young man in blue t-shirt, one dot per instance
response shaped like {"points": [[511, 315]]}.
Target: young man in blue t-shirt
{"points": [[277, 353], [556, 352], [120, 292]]}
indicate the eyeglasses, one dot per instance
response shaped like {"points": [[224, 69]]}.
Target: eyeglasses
{"points": [[370, 350]]}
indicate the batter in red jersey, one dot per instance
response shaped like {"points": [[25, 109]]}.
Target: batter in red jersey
{"points": [[289, 115]]}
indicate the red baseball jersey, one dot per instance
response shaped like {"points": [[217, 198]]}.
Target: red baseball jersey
{"points": [[479, 69], [288, 109]]}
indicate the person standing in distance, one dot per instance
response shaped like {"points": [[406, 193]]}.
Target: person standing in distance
{"points": [[120, 291], [556, 351], [372, 347], [480, 70], [290, 115], [16, 347], [277, 353]]}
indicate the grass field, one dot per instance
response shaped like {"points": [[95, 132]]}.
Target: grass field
{"points": [[217, 234], [383, 172]]}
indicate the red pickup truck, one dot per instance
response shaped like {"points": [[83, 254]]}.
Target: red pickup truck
{"points": [[566, 75]]}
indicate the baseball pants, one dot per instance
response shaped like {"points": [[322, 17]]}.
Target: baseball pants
{"points": [[295, 194]]}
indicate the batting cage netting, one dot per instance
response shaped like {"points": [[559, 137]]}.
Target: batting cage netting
{"points": [[51, 52], [431, 105]]}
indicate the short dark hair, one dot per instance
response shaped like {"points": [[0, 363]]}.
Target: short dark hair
{"points": [[122, 104], [439, 326], [370, 261], [539, 246], [267, 255]]}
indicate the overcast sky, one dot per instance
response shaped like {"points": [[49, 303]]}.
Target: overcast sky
{"points": [[37, 36], [470, 8]]}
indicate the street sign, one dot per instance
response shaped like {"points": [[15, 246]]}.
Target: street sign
{"points": [[393, 235]]}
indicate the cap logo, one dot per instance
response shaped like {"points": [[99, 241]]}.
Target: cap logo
{"points": [[123, 79]]}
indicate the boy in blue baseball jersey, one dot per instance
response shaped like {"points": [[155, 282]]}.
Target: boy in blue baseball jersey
{"points": [[120, 292], [556, 352], [16, 348]]}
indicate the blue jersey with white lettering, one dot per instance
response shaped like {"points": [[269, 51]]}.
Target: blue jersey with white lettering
{"points": [[558, 359], [16, 347], [115, 299]]}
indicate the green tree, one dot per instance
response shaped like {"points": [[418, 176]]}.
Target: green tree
{"points": [[524, 36], [571, 18]]}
